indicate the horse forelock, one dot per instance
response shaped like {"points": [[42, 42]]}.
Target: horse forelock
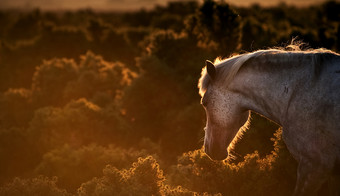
{"points": [[203, 82], [226, 69]]}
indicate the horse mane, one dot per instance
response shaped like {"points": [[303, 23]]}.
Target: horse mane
{"points": [[227, 69]]}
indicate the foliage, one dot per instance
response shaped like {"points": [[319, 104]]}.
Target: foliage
{"points": [[50, 79], [36, 186], [69, 163], [197, 172], [217, 26], [144, 178], [16, 107], [61, 80], [263, 145]]}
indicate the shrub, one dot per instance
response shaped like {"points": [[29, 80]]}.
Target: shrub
{"points": [[16, 107], [73, 166], [217, 27], [98, 78], [271, 175], [80, 122], [40, 186], [143, 178], [50, 79]]}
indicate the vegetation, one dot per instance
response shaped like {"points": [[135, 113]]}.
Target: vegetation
{"points": [[98, 103]]}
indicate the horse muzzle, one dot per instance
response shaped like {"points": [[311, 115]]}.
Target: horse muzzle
{"points": [[215, 152]]}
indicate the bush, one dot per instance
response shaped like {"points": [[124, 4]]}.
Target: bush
{"points": [[217, 27], [16, 107], [40, 186], [70, 163], [254, 176], [135, 95], [50, 79], [98, 78], [78, 123], [143, 178], [58, 81]]}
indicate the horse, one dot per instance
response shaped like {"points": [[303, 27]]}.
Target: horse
{"points": [[299, 90]]}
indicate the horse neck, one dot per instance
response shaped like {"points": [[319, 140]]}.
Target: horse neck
{"points": [[268, 90]]}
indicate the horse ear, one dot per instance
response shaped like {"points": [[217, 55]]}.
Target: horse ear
{"points": [[210, 69]]}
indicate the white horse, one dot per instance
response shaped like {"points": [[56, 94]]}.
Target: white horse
{"points": [[299, 90]]}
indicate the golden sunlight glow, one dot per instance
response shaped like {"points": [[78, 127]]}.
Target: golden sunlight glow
{"points": [[106, 103]]}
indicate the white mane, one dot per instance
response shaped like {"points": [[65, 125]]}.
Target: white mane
{"points": [[228, 68]]}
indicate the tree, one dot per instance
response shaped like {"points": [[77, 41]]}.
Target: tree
{"points": [[217, 27]]}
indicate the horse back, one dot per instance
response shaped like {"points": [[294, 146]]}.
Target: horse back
{"points": [[314, 109]]}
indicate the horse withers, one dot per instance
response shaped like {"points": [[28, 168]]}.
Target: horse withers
{"points": [[299, 90]]}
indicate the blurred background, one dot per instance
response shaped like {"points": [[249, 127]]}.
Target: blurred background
{"points": [[129, 5], [101, 98]]}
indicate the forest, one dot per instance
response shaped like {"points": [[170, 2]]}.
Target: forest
{"points": [[106, 103]]}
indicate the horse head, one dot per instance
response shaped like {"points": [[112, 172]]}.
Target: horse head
{"points": [[223, 112]]}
